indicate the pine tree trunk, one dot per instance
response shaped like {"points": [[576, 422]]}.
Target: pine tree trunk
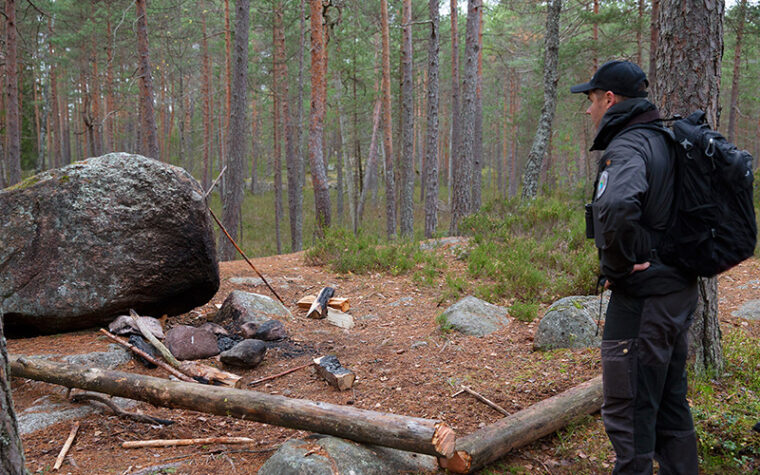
{"points": [[654, 38], [11, 452], [95, 94], [477, 163], [254, 151], [233, 189], [146, 84], [551, 77], [431, 151], [206, 93], [390, 187], [110, 142], [455, 133], [316, 122], [297, 210], [733, 111], [462, 164], [54, 123], [515, 86], [12, 118], [407, 124], [693, 62], [278, 62]]}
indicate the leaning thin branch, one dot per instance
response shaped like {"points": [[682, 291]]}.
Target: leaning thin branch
{"points": [[168, 356], [138, 351]]}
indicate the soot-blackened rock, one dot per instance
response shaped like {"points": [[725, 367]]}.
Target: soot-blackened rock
{"points": [[140, 343]]}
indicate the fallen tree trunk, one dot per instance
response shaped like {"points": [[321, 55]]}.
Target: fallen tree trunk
{"points": [[412, 434], [496, 440]]}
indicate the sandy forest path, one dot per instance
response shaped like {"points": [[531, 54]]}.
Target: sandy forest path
{"points": [[405, 365]]}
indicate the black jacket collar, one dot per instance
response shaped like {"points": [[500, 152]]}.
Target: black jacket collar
{"points": [[622, 115]]}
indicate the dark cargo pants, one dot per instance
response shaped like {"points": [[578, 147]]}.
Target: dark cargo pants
{"points": [[645, 411]]}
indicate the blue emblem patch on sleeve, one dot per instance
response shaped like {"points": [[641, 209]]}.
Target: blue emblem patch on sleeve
{"points": [[602, 183]]}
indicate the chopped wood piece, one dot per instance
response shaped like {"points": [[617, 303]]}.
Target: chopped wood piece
{"points": [[482, 399], [412, 434], [318, 308], [280, 374], [137, 444], [338, 303], [336, 375], [340, 319], [66, 446], [215, 376]]}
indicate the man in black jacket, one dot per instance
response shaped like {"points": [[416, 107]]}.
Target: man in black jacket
{"points": [[644, 347]]}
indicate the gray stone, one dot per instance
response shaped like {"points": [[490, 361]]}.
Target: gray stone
{"points": [[334, 455], [252, 281], [405, 301], [190, 343], [418, 344], [246, 354], [268, 331], [473, 316], [749, 310], [125, 325], [570, 322], [82, 244], [215, 328], [115, 356], [450, 241], [50, 410], [241, 307]]}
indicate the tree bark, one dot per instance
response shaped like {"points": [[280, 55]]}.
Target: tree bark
{"points": [[236, 157], [296, 216], [110, 142], [407, 124], [12, 118], [11, 452], [496, 440], [278, 63], [316, 122], [431, 151], [477, 148], [390, 187], [54, 124], [146, 84], [654, 37], [693, 63], [206, 93], [405, 433], [551, 76], [462, 202], [454, 144], [733, 111]]}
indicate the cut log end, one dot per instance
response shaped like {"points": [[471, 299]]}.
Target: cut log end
{"points": [[460, 462], [444, 439]]}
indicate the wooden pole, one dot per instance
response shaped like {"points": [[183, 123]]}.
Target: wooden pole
{"points": [[139, 444], [496, 440], [145, 355], [412, 434]]}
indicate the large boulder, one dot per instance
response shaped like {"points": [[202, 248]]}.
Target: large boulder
{"points": [[473, 316], [320, 455], [84, 243], [570, 322], [241, 307]]}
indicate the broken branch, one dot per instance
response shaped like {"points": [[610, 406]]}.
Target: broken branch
{"points": [[145, 355], [138, 444], [118, 411], [274, 376], [482, 399], [66, 446]]}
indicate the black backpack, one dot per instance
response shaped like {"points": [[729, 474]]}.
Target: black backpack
{"points": [[712, 227]]}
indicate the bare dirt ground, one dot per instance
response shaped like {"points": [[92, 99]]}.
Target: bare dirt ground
{"points": [[405, 365]]}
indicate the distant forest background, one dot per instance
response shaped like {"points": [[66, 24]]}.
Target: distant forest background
{"points": [[299, 100]]}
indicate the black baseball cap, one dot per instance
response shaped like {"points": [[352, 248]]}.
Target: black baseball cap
{"points": [[621, 77]]}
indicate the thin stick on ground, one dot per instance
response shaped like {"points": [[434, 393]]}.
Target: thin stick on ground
{"points": [[139, 444], [481, 398], [168, 356], [66, 446], [274, 376], [145, 355], [118, 411]]}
